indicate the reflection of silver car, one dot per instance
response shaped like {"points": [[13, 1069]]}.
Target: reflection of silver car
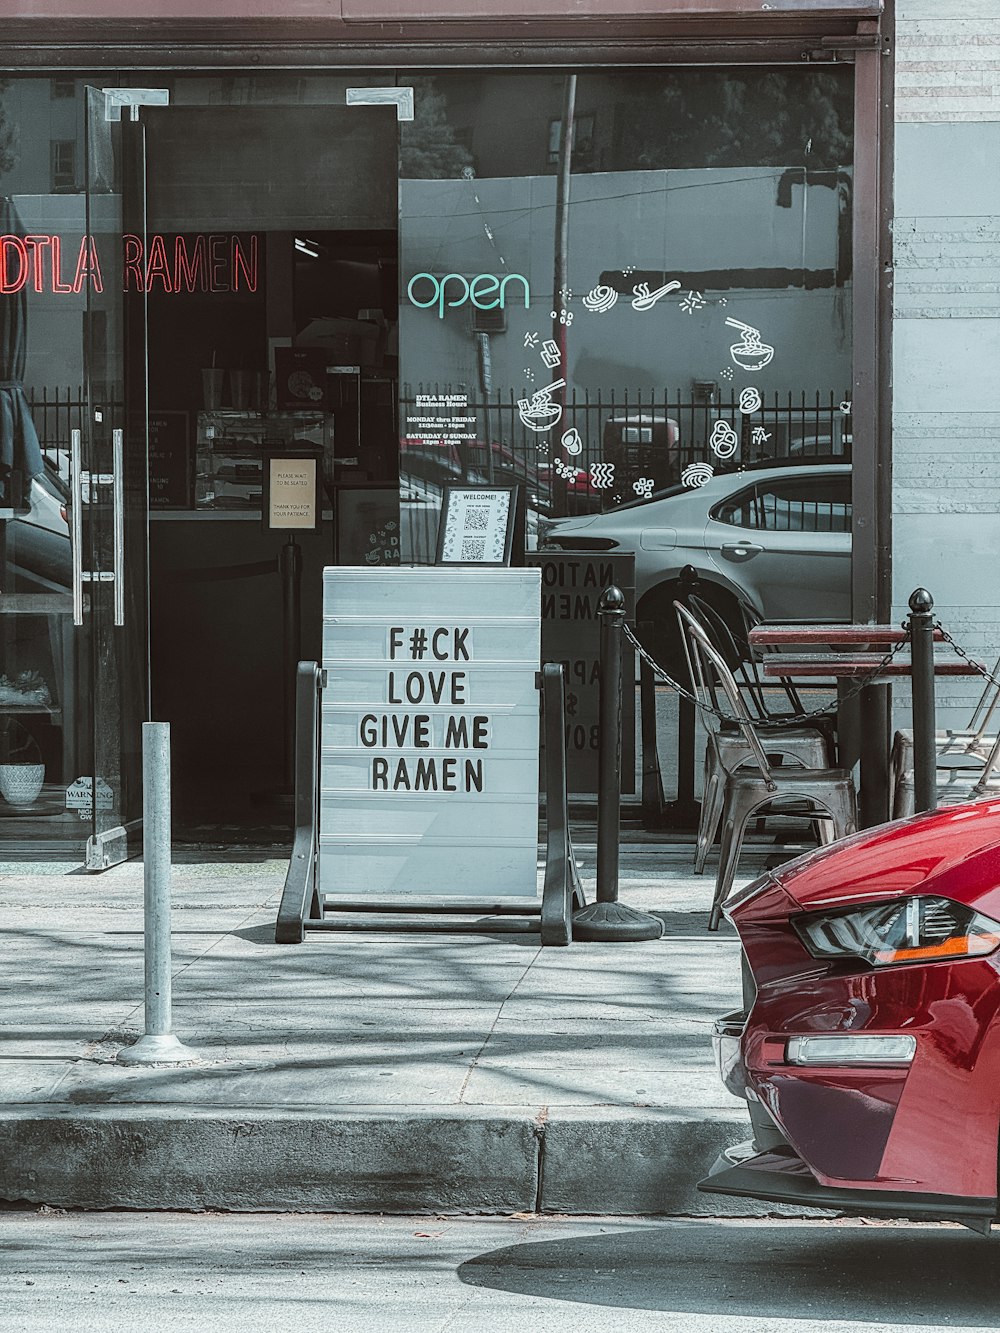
{"points": [[777, 538], [38, 550]]}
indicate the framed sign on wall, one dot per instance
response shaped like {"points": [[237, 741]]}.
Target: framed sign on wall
{"points": [[477, 525]]}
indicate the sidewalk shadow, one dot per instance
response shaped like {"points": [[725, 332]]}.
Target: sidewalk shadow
{"points": [[920, 1276]]}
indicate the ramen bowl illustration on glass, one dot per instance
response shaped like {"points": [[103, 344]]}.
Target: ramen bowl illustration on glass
{"points": [[750, 353], [539, 412]]}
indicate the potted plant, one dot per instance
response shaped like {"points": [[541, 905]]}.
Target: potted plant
{"points": [[21, 769]]}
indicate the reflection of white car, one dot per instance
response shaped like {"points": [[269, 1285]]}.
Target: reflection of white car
{"points": [[776, 538], [38, 551], [49, 500]]}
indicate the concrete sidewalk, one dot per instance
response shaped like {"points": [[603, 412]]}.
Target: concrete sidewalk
{"points": [[363, 1071]]}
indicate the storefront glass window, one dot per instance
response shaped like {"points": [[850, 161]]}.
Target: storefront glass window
{"points": [[610, 288], [679, 308]]}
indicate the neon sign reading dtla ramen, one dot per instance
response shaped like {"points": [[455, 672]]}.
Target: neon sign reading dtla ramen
{"points": [[466, 289], [222, 262]]}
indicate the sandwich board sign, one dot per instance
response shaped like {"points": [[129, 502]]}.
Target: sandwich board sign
{"points": [[429, 733]]}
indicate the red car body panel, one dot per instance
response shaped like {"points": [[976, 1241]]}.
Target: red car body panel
{"points": [[929, 1128]]}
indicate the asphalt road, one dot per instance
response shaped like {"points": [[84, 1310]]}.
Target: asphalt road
{"points": [[112, 1273]]}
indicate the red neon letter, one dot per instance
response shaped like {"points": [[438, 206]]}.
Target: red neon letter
{"points": [[132, 263], [20, 249], [88, 266], [57, 279], [240, 262], [15, 244], [219, 260], [156, 265], [37, 245], [190, 269]]}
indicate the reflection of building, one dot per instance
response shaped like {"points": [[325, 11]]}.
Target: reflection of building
{"points": [[733, 176], [726, 234]]}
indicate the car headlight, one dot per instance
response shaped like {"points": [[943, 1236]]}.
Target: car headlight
{"points": [[906, 930]]}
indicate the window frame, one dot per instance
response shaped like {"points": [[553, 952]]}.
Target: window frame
{"points": [[701, 32]]}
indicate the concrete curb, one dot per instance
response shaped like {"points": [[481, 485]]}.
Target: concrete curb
{"points": [[481, 1160]]}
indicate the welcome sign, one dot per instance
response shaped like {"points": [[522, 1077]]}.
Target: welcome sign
{"points": [[429, 743]]}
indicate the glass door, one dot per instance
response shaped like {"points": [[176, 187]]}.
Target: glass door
{"points": [[270, 267], [109, 502]]}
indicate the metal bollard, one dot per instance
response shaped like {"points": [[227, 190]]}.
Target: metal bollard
{"points": [[922, 681], [607, 918], [158, 1045]]}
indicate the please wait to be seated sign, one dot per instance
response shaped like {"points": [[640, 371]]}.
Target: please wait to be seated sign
{"points": [[429, 745]]}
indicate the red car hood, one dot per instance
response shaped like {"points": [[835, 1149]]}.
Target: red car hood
{"points": [[954, 852]]}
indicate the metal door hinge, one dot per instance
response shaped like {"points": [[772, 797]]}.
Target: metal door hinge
{"points": [[133, 98], [400, 98]]}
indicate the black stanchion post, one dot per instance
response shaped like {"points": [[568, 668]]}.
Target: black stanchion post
{"points": [[922, 681], [607, 918], [611, 610]]}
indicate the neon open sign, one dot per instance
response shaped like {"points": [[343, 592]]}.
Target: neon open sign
{"points": [[475, 290], [220, 262]]}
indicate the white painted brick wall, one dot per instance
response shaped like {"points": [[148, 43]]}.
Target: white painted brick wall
{"points": [[946, 444], [947, 61], [947, 267]]}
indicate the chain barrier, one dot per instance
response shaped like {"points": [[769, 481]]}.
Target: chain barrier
{"points": [[828, 711], [976, 666]]}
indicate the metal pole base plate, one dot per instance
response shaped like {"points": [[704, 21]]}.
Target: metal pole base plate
{"points": [[163, 1050], [615, 921]]}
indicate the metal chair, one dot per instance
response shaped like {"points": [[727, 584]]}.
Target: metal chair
{"points": [[828, 793], [726, 748], [743, 662], [961, 755]]}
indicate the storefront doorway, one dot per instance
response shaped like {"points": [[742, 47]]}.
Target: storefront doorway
{"points": [[270, 275], [239, 267]]}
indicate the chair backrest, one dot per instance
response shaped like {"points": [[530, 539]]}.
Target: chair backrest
{"points": [[705, 685], [736, 655], [982, 785], [711, 662], [751, 620], [718, 632], [990, 708]]}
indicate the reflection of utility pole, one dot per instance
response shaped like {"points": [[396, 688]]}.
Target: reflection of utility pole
{"points": [[560, 270], [485, 359]]}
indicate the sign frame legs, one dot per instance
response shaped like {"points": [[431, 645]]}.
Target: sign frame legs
{"points": [[300, 896]]}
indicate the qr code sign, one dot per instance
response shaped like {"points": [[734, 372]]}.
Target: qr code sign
{"points": [[477, 518], [474, 548]]}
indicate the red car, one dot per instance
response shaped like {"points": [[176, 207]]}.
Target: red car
{"points": [[869, 1050]]}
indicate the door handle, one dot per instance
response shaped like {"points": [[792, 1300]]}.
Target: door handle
{"points": [[741, 550], [78, 480], [76, 521], [118, 491]]}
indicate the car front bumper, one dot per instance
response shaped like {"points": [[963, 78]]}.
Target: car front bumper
{"points": [[781, 1176]]}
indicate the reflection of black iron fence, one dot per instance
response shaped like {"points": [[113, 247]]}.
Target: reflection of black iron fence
{"points": [[56, 412], [644, 437], [638, 438]]}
